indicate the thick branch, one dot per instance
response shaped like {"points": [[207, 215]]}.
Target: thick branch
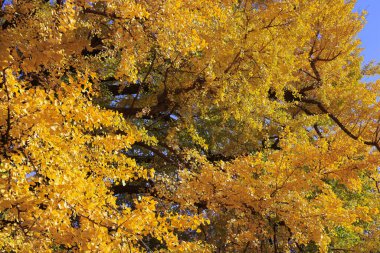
{"points": [[339, 123], [140, 187], [377, 183], [316, 128], [114, 87]]}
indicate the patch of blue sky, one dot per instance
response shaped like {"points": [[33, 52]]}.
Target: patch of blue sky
{"points": [[370, 35]]}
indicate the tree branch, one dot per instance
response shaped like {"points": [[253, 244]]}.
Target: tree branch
{"points": [[6, 136], [339, 123], [144, 80], [155, 151]]}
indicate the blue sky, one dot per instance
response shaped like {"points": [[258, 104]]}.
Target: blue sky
{"points": [[370, 35]]}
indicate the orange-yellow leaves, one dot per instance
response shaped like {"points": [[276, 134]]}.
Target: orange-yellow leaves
{"points": [[291, 185], [243, 125], [127, 69], [63, 156]]}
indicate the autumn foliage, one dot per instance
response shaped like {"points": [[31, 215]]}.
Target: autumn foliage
{"points": [[187, 126]]}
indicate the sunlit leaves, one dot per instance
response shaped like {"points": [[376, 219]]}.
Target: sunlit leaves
{"points": [[186, 126]]}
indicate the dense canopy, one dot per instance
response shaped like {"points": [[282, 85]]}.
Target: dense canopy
{"points": [[187, 126]]}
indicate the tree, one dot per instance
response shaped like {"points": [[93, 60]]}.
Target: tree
{"points": [[210, 126]]}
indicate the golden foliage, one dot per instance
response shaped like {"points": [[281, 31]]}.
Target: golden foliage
{"points": [[187, 126]]}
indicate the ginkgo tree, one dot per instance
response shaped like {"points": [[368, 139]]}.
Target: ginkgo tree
{"points": [[187, 126]]}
